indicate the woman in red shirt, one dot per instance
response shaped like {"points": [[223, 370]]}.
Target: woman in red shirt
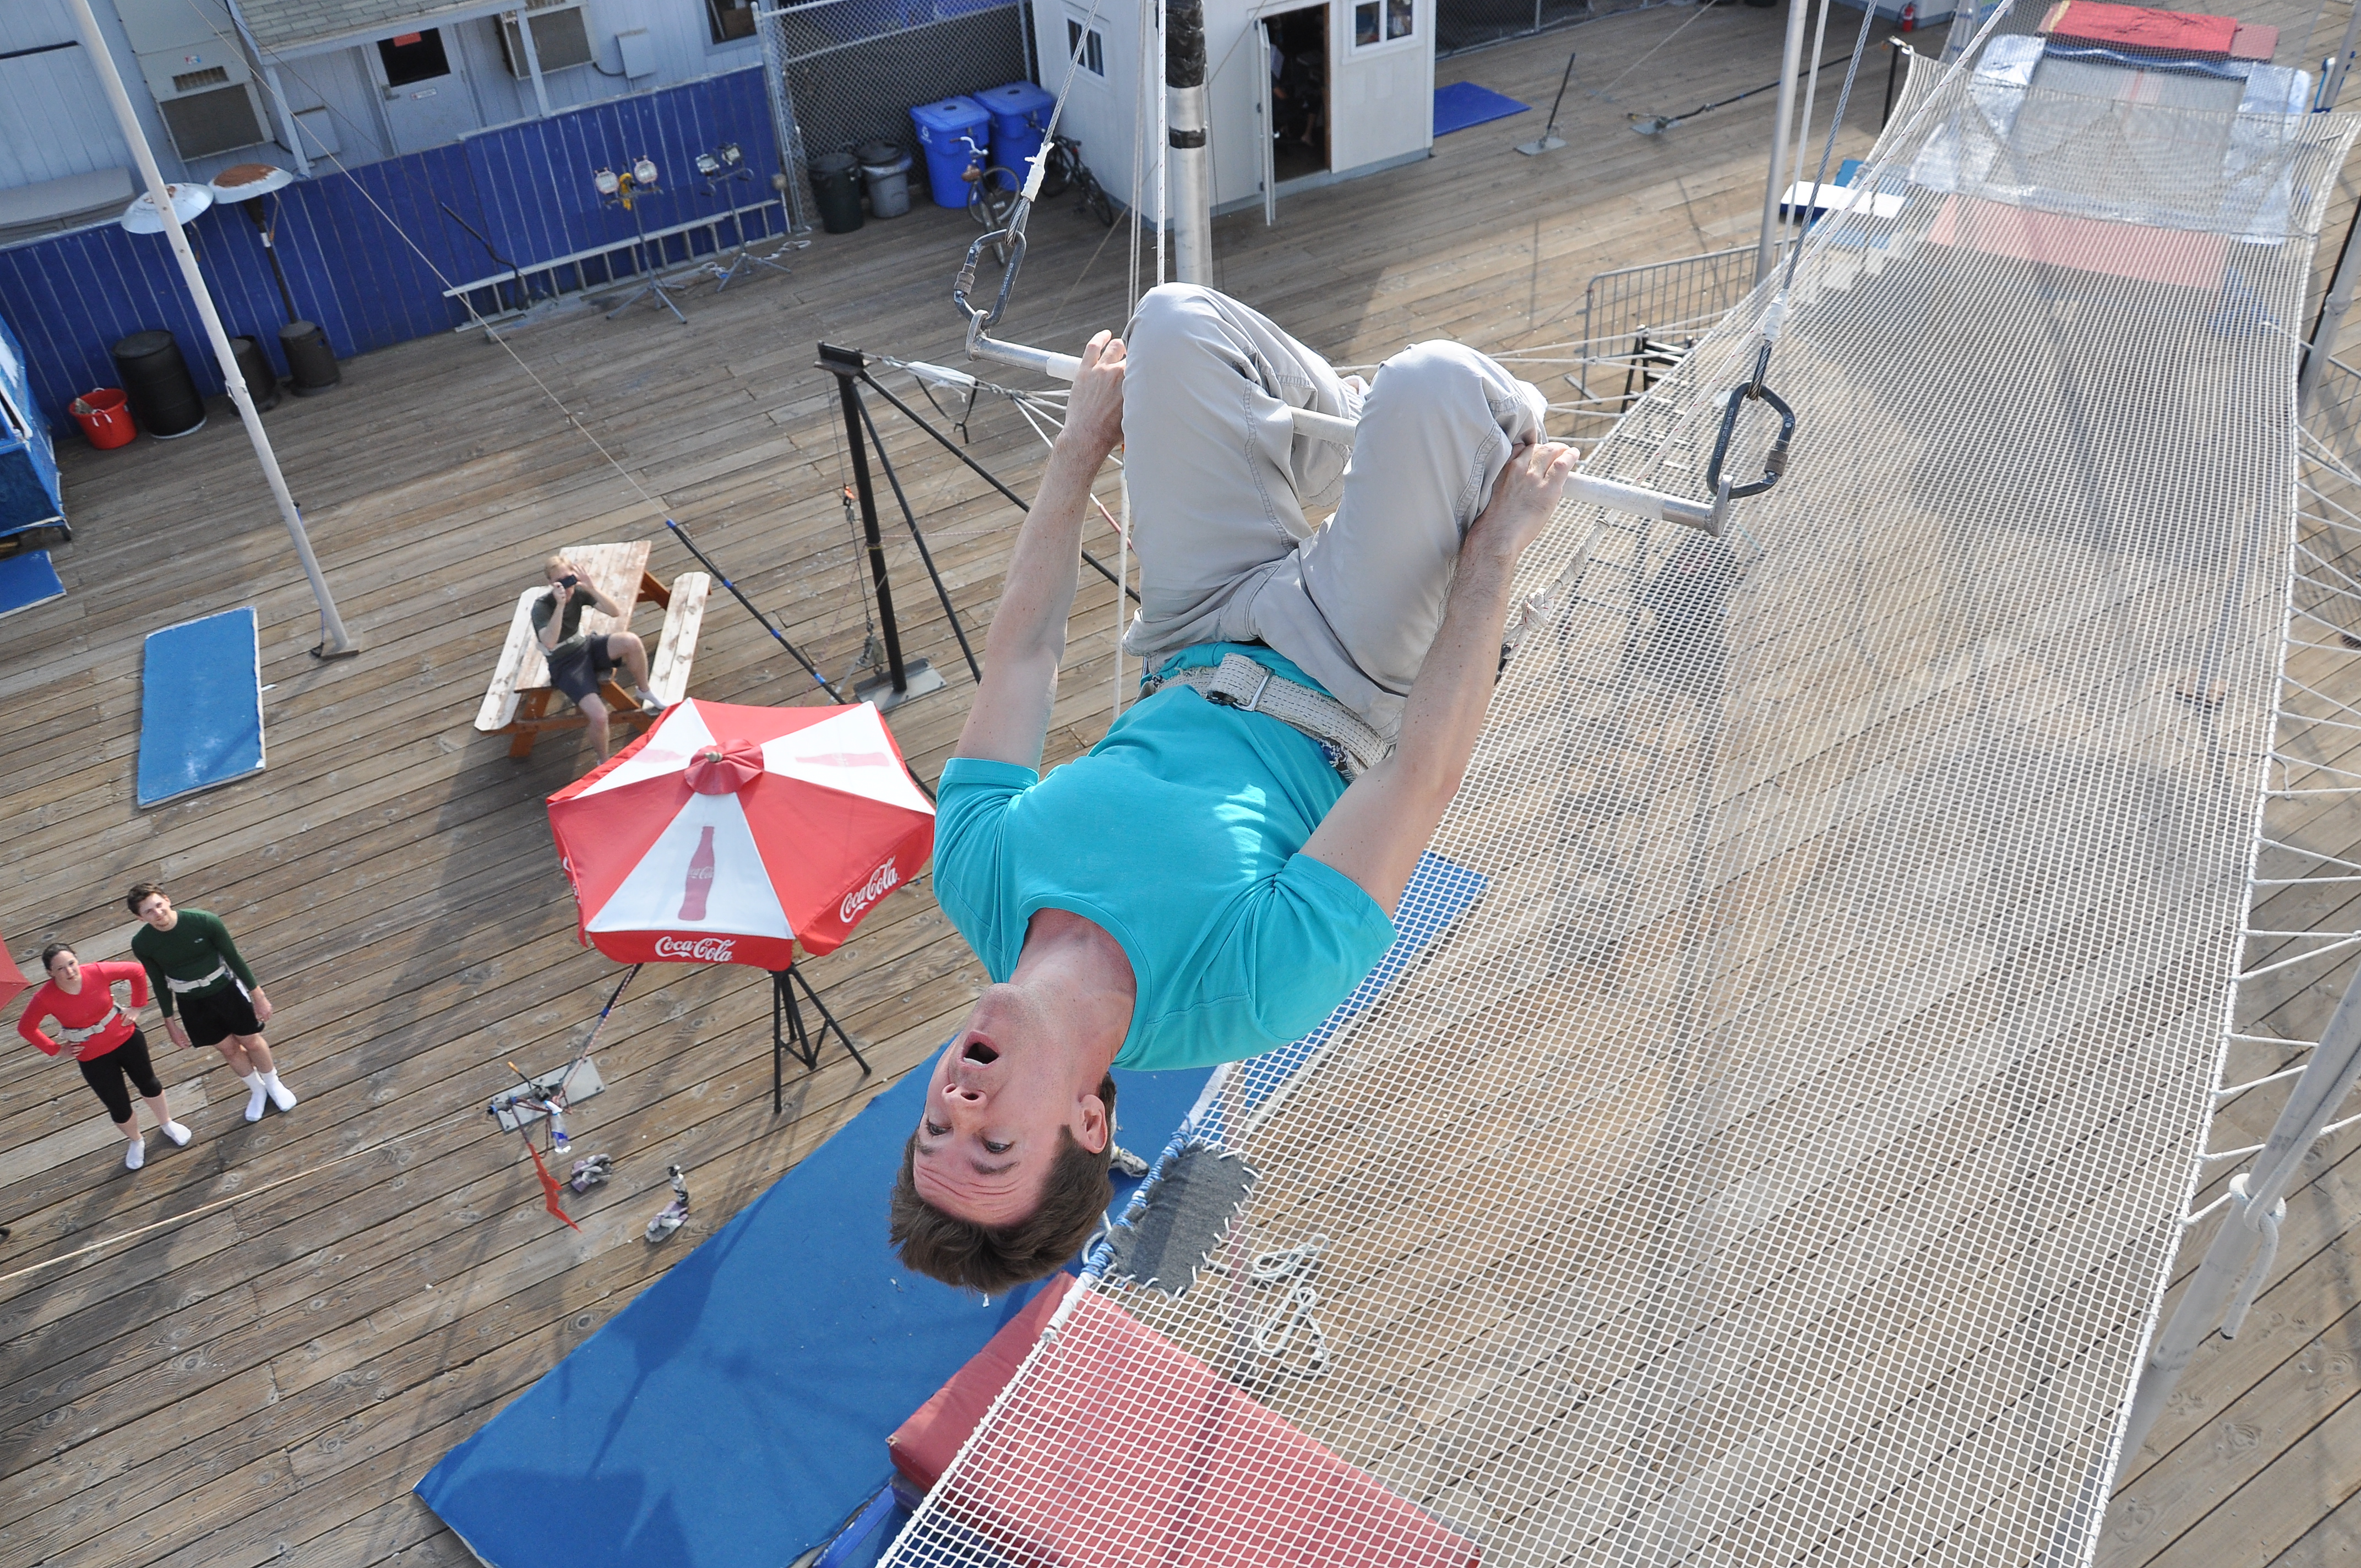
{"points": [[108, 1046]]}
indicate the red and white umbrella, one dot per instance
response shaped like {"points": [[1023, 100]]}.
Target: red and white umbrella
{"points": [[728, 834]]}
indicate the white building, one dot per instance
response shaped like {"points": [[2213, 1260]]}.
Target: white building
{"points": [[1347, 87], [365, 79]]}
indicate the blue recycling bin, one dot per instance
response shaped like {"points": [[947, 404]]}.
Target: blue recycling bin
{"points": [[1021, 116], [945, 128]]}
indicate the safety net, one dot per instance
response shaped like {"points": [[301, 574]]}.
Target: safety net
{"points": [[1782, 1158]]}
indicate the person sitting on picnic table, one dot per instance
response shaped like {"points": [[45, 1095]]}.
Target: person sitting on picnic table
{"points": [[1210, 881], [578, 663]]}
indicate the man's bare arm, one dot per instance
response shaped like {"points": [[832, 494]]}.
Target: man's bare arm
{"points": [[1376, 833], [1010, 720]]}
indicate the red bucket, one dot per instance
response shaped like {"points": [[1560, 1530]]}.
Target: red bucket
{"points": [[104, 419]]}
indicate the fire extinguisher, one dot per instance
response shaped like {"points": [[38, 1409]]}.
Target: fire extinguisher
{"points": [[1910, 16]]}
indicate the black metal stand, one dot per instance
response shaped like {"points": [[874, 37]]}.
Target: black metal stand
{"points": [[795, 1036], [903, 680]]}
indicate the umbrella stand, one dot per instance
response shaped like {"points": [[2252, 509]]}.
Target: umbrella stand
{"points": [[805, 1042]]}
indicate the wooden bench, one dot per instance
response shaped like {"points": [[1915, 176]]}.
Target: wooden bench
{"points": [[518, 702]]}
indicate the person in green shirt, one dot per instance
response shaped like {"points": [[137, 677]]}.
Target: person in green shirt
{"points": [[206, 993]]}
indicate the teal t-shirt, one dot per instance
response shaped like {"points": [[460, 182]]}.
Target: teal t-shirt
{"points": [[1178, 835]]}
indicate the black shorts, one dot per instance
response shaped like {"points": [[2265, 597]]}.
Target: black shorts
{"points": [[210, 1019], [105, 1075], [578, 671]]}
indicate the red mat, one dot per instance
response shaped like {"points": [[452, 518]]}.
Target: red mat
{"points": [[2089, 245], [2255, 40], [1126, 1452], [2142, 28], [924, 1446]]}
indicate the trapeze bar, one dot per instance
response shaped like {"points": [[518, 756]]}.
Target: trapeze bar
{"points": [[1583, 489]]}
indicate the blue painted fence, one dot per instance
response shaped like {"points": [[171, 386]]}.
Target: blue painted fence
{"points": [[369, 254]]}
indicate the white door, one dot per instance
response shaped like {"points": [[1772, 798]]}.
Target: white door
{"points": [[1266, 127], [427, 101]]}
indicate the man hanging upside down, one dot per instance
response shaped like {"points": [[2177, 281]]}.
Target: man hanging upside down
{"points": [[1206, 885]]}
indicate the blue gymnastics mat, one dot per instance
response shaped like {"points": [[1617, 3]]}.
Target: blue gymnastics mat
{"points": [[27, 580], [200, 706], [1463, 104], [737, 1412]]}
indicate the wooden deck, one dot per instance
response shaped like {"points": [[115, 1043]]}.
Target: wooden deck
{"points": [[370, 1277]]}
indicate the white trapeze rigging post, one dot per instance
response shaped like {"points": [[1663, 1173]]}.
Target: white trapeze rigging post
{"points": [[335, 643], [1791, 64], [2237, 1264], [1186, 152]]}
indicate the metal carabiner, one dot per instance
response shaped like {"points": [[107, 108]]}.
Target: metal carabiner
{"points": [[979, 321], [1775, 462]]}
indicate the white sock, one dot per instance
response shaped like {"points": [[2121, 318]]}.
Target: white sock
{"points": [[259, 1092], [280, 1095], [135, 1154], [178, 1134]]}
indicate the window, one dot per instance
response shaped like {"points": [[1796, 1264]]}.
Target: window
{"points": [[413, 56], [728, 21], [1395, 18], [1086, 48]]}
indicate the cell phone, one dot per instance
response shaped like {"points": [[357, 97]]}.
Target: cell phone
{"points": [[568, 580]]}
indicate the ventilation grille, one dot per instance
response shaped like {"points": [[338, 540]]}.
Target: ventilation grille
{"points": [[212, 76]]}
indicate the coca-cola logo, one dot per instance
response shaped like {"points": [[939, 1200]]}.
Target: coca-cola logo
{"points": [[703, 950], [880, 882]]}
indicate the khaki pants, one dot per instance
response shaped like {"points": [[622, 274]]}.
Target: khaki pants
{"points": [[1220, 484]]}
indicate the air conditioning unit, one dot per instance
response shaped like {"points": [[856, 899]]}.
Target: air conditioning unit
{"points": [[206, 93], [560, 37]]}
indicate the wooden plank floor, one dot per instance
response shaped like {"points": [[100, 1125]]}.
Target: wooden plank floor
{"points": [[329, 1301]]}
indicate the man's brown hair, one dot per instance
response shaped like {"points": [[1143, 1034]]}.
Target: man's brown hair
{"points": [[141, 893], [994, 1259]]}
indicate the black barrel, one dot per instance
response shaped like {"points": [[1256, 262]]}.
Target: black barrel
{"points": [[836, 185], [155, 383], [311, 363], [261, 381]]}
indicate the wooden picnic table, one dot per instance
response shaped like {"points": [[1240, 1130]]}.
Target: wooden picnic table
{"points": [[518, 702]]}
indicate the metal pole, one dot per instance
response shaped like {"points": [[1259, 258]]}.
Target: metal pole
{"points": [[903, 682], [1185, 140], [1803, 144], [335, 642], [1896, 50], [2252, 1223], [2336, 85], [1791, 64], [2332, 307]]}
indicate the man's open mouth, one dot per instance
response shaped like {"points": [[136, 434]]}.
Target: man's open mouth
{"points": [[979, 1053]]}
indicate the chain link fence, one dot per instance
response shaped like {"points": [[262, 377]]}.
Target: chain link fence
{"points": [[841, 73], [1462, 25]]}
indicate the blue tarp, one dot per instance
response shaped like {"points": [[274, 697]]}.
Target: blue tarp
{"points": [[1463, 104], [29, 579], [737, 1412], [200, 706]]}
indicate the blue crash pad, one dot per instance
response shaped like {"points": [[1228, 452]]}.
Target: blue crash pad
{"points": [[27, 580], [1463, 104], [200, 706], [738, 1411]]}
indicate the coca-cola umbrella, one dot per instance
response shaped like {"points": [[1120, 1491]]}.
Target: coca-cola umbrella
{"points": [[733, 835]]}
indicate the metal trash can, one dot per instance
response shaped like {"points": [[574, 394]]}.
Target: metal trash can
{"points": [[311, 363], [885, 169], [261, 381], [156, 380], [836, 186]]}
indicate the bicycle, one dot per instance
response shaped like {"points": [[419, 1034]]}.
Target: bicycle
{"points": [[1066, 169], [991, 194]]}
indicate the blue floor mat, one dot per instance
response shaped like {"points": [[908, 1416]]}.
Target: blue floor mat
{"points": [[1463, 104], [200, 706], [27, 580], [738, 1411]]}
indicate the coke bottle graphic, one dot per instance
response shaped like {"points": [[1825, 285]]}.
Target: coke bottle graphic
{"points": [[700, 878]]}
